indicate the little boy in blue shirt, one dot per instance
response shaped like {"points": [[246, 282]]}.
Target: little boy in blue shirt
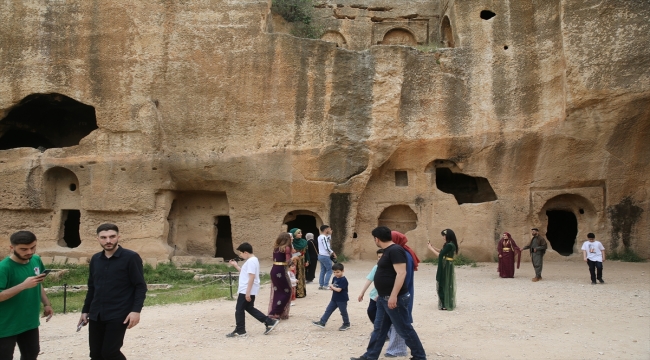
{"points": [[339, 300]]}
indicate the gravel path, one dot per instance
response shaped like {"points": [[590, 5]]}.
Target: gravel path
{"points": [[561, 317]]}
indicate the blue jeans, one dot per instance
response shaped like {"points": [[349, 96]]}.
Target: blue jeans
{"points": [[325, 270], [343, 308], [399, 318]]}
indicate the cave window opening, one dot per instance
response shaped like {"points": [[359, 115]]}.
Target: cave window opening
{"points": [[306, 223], [447, 33], [401, 178], [487, 14], [71, 219], [465, 188], [399, 218], [44, 121], [73, 187], [562, 231], [224, 244], [581, 211]]}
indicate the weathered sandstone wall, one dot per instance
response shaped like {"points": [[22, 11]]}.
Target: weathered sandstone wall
{"points": [[202, 113]]}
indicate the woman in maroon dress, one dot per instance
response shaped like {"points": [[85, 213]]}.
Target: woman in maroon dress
{"points": [[280, 302], [507, 249]]}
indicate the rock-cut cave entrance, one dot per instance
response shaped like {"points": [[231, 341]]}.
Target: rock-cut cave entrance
{"points": [[562, 230], [70, 221], [465, 188], [44, 121], [224, 244], [306, 223]]}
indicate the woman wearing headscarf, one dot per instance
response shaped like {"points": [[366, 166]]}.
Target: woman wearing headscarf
{"points": [[300, 246], [508, 250], [445, 276], [312, 250], [396, 344], [280, 302]]}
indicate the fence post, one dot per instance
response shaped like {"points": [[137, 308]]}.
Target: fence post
{"points": [[65, 296], [230, 281]]}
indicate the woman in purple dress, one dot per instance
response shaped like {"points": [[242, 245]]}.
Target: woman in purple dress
{"points": [[508, 251], [280, 302]]}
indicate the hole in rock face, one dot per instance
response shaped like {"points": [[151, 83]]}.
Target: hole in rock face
{"points": [[71, 221], [447, 34], [401, 178], [73, 187], [306, 223], [44, 121], [505, 47], [487, 14], [354, 235], [562, 230], [465, 188], [581, 211], [225, 248]]}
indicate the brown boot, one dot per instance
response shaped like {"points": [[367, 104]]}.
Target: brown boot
{"points": [[535, 279]]}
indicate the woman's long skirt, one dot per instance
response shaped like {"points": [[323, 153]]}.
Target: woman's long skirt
{"points": [[280, 302], [446, 285]]}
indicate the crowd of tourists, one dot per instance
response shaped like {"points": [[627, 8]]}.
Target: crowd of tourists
{"points": [[117, 289]]}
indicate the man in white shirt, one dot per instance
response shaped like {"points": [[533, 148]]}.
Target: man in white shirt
{"points": [[324, 253], [594, 254], [249, 285]]}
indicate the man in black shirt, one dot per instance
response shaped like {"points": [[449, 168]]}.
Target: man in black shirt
{"points": [[116, 293], [393, 299]]}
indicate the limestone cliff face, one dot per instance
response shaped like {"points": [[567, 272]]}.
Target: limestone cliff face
{"points": [[538, 116]]}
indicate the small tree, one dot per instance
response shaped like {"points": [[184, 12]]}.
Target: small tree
{"points": [[294, 10], [300, 14]]}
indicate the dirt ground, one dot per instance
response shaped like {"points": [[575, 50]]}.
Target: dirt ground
{"points": [[561, 317]]}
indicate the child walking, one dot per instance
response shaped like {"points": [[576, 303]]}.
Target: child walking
{"points": [[294, 281], [339, 300], [372, 305], [594, 254], [249, 285]]}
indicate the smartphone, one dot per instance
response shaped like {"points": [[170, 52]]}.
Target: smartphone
{"points": [[45, 272]]}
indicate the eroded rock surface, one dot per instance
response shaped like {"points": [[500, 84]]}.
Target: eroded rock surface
{"points": [[205, 118]]}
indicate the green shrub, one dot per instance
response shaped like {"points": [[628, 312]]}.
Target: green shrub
{"points": [[300, 14], [294, 10], [627, 255], [427, 48], [342, 258], [308, 31]]}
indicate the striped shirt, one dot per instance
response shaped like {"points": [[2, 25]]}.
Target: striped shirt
{"points": [[324, 247]]}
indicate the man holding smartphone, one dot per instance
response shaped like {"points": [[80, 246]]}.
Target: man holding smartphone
{"points": [[21, 294], [116, 293]]}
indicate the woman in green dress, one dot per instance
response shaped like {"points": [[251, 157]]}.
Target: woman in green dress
{"points": [[445, 277], [302, 260]]}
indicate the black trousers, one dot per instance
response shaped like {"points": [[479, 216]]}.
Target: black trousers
{"points": [[249, 307], [106, 339], [27, 343], [593, 266]]}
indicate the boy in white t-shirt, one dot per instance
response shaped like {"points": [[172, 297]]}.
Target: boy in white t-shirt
{"points": [[249, 285], [594, 254]]}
